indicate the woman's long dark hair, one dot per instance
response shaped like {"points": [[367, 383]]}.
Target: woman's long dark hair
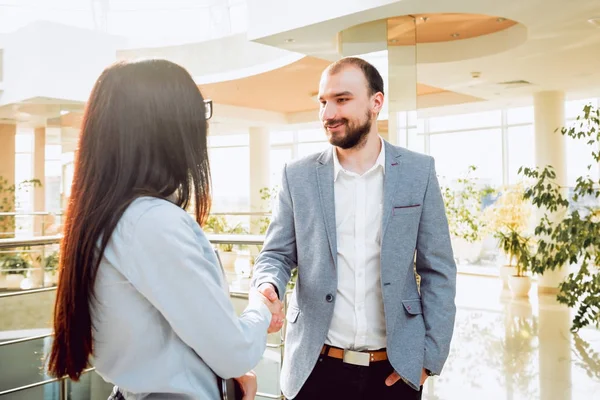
{"points": [[143, 134]]}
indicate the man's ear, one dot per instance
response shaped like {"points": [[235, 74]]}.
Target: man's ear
{"points": [[377, 102]]}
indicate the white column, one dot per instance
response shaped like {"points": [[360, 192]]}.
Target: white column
{"points": [[402, 93], [7, 172], [259, 171], [39, 200], [39, 172], [402, 78], [549, 114]]}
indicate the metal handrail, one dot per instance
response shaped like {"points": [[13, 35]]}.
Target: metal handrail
{"points": [[62, 380], [28, 291], [213, 238], [34, 213], [25, 340], [33, 241]]}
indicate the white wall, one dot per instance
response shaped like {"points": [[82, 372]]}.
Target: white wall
{"points": [[268, 17], [51, 60]]}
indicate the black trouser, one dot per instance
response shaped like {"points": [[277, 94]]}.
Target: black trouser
{"points": [[333, 379]]}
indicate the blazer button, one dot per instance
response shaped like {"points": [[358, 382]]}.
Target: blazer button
{"points": [[329, 297]]}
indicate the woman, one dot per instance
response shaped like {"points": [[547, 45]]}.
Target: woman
{"points": [[140, 288]]}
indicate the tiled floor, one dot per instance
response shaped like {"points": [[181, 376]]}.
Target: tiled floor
{"points": [[506, 349]]}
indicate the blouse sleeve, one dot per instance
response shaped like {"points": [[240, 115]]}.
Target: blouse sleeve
{"points": [[173, 272]]}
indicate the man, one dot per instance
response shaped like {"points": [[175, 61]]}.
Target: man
{"points": [[355, 220]]}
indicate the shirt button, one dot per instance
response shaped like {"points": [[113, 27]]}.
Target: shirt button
{"points": [[329, 297]]}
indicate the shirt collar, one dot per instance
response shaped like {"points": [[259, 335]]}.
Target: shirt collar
{"points": [[337, 167]]}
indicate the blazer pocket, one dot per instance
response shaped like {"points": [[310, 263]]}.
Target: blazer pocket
{"points": [[292, 314], [401, 210], [413, 306]]}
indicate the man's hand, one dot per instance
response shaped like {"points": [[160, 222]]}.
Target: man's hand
{"points": [[249, 385], [276, 307], [394, 377]]}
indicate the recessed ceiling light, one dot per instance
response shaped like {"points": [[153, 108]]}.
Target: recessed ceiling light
{"points": [[455, 35], [289, 40], [500, 19], [64, 112], [393, 40], [595, 21]]}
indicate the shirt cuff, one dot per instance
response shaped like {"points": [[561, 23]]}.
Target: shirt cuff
{"points": [[264, 311]]}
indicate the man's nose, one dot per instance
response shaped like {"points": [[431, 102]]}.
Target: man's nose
{"points": [[328, 111]]}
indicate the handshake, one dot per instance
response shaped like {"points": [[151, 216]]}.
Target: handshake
{"points": [[266, 293]]}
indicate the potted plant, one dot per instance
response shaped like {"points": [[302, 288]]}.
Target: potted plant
{"points": [[14, 267], [219, 224], [464, 210], [517, 248], [8, 203], [51, 269], [508, 219], [568, 232]]}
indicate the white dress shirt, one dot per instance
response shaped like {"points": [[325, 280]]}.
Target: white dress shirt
{"points": [[358, 321]]}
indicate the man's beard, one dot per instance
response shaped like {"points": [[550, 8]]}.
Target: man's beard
{"points": [[355, 135]]}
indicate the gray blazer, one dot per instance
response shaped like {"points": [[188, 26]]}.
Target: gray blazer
{"points": [[302, 234]]}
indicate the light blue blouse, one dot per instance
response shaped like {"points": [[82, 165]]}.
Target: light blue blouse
{"points": [[163, 321]]}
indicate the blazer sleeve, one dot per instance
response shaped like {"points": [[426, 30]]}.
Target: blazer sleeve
{"points": [[173, 272], [278, 256], [437, 268]]}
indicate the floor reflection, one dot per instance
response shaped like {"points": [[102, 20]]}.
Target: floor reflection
{"points": [[506, 348]]}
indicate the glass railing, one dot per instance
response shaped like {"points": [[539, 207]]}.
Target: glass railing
{"points": [[23, 347]]}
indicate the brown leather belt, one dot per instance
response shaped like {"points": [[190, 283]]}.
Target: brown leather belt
{"points": [[363, 358]]}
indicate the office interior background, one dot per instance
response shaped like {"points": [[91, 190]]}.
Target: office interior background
{"points": [[483, 86]]}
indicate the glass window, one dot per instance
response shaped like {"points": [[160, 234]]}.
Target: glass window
{"points": [[281, 137], [521, 150], [574, 108], [229, 140], [24, 142], [311, 135], [521, 115], [416, 141], [579, 157], [279, 156], [305, 149], [230, 179], [23, 167], [465, 121], [53, 152], [455, 152]]}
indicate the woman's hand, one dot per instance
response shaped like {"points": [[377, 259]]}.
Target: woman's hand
{"points": [[249, 385]]}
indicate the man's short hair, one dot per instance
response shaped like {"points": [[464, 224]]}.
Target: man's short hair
{"points": [[373, 77]]}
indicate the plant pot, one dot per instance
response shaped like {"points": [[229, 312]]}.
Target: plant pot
{"points": [[50, 278], [519, 285], [13, 281], [506, 270], [228, 259]]}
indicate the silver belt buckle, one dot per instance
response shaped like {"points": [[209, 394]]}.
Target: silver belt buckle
{"points": [[356, 358]]}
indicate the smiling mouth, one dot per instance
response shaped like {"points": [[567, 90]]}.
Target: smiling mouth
{"points": [[334, 126]]}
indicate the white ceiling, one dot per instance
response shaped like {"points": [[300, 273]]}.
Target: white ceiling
{"points": [[178, 21], [561, 51]]}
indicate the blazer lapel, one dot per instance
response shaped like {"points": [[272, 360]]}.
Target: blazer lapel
{"points": [[327, 196], [391, 182]]}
